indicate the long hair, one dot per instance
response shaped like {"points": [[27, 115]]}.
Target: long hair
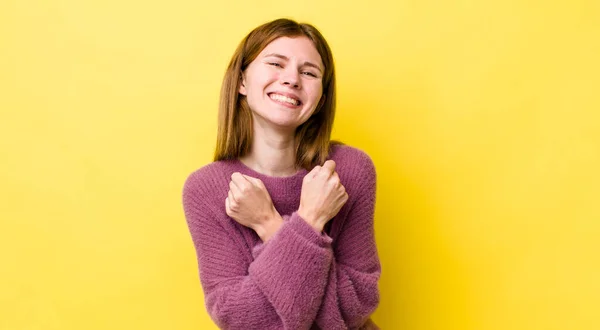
{"points": [[312, 138]]}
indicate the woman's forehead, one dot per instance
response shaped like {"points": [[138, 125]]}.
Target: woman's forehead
{"points": [[300, 48]]}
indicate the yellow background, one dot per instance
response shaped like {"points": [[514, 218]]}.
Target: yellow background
{"points": [[481, 116]]}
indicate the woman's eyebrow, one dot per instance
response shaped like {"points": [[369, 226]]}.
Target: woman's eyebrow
{"points": [[307, 63]]}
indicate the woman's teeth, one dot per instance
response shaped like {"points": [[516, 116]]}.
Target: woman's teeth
{"points": [[282, 98]]}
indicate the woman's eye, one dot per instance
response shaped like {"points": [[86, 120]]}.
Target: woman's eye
{"points": [[310, 74], [275, 64]]}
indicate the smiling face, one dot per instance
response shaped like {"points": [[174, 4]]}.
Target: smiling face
{"points": [[283, 85]]}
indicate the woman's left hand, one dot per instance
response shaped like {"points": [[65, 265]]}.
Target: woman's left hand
{"points": [[250, 204]]}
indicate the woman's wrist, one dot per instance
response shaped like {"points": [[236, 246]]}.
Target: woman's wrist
{"points": [[311, 220], [268, 228]]}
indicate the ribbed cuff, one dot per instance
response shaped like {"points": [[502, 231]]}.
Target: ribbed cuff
{"points": [[302, 228]]}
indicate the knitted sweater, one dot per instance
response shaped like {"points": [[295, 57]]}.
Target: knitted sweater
{"points": [[299, 278]]}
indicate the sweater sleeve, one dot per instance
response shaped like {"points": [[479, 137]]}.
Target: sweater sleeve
{"points": [[281, 288], [352, 293]]}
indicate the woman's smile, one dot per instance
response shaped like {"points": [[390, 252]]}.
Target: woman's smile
{"points": [[285, 100]]}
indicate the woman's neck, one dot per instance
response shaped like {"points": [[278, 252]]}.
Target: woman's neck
{"points": [[272, 154]]}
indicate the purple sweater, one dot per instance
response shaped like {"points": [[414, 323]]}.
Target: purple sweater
{"points": [[298, 279]]}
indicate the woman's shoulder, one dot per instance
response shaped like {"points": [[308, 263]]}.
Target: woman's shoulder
{"points": [[354, 165], [208, 178], [346, 155]]}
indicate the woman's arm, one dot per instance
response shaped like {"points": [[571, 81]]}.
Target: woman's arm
{"points": [[352, 293], [281, 289]]}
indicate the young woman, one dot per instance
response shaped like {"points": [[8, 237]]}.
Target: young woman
{"points": [[282, 220]]}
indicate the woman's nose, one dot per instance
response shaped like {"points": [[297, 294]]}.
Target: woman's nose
{"points": [[290, 77]]}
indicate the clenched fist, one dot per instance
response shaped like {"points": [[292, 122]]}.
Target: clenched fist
{"points": [[322, 195], [249, 203]]}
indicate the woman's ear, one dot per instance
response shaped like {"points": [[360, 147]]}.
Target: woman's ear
{"points": [[242, 89]]}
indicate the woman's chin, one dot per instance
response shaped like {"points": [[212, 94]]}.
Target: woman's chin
{"points": [[284, 122], [280, 120]]}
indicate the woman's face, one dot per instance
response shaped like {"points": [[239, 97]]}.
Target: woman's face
{"points": [[283, 85]]}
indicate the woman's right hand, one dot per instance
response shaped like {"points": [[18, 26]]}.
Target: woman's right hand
{"points": [[322, 195]]}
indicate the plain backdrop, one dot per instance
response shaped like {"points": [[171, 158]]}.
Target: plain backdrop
{"points": [[481, 117]]}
